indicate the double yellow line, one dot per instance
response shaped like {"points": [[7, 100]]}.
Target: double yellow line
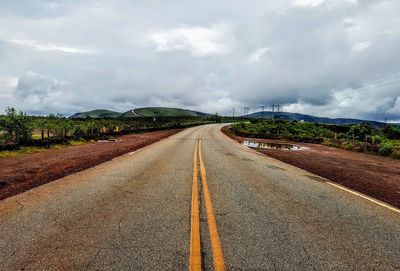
{"points": [[195, 243]]}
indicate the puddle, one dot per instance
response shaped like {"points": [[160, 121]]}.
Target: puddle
{"points": [[275, 146], [275, 167], [109, 140], [316, 178], [247, 160]]}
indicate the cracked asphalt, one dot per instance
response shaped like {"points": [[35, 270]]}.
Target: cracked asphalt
{"points": [[133, 213]]}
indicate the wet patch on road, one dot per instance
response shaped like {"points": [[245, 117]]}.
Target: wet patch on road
{"points": [[247, 160], [316, 178], [274, 146], [277, 168]]}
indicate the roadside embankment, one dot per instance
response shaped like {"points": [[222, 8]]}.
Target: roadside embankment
{"points": [[24, 172]]}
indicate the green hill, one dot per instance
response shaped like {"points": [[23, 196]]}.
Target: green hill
{"points": [[163, 112], [96, 114], [130, 114], [139, 112]]}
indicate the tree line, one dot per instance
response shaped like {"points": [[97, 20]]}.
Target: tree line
{"points": [[18, 129]]}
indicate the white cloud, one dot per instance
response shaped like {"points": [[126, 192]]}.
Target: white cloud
{"points": [[396, 107], [200, 41], [44, 46], [361, 46], [221, 101], [377, 101], [308, 3], [36, 91], [7, 86], [33, 85], [8, 83], [257, 54], [329, 3]]}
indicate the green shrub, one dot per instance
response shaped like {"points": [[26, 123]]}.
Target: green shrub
{"points": [[385, 150], [395, 153], [391, 132], [361, 132], [16, 126]]}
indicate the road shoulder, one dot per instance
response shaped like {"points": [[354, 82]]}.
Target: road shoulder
{"points": [[22, 173], [377, 177]]}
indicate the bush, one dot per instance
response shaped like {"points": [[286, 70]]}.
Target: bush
{"points": [[16, 126], [391, 132], [395, 153], [385, 150], [361, 132]]}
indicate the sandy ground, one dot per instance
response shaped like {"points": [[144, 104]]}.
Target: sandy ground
{"points": [[18, 174], [373, 175]]}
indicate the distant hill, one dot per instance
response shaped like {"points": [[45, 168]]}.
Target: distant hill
{"points": [[130, 114], [310, 118], [139, 112], [96, 114], [163, 112]]}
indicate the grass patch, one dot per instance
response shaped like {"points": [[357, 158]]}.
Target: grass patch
{"points": [[21, 151], [30, 150]]}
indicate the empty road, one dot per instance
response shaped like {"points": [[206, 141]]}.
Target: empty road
{"points": [[196, 200]]}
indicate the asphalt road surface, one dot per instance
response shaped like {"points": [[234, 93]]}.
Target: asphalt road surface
{"points": [[196, 200]]}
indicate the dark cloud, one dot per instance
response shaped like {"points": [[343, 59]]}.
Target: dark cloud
{"points": [[324, 57]]}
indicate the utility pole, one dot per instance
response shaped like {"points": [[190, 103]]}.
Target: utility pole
{"points": [[262, 111], [233, 112], [276, 108], [246, 110]]}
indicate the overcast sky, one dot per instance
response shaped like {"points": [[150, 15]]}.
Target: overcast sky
{"points": [[335, 58]]}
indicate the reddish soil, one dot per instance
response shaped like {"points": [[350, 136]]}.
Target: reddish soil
{"points": [[21, 173], [376, 176]]}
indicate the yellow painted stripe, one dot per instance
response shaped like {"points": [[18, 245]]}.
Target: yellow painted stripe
{"points": [[365, 197], [195, 252], [218, 257]]}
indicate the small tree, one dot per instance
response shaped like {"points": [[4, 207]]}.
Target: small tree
{"points": [[216, 118], [391, 132], [16, 125], [362, 132], [40, 124]]}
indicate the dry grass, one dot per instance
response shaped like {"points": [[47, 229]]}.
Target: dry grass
{"points": [[30, 150]]}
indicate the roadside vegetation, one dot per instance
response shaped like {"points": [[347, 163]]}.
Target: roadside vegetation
{"points": [[21, 133], [362, 137]]}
